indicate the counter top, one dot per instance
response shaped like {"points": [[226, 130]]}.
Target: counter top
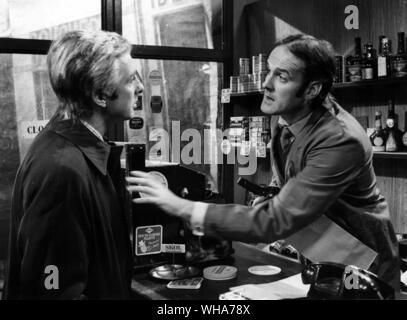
{"points": [[244, 257]]}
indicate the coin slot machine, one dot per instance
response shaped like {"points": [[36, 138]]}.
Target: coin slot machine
{"points": [[148, 220]]}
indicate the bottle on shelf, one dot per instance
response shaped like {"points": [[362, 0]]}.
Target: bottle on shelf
{"points": [[384, 58], [392, 132], [399, 65], [354, 63], [338, 78], [404, 137], [377, 138], [369, 63]]}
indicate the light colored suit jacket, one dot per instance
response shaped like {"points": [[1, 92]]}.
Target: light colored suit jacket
{"points": [[328, 171]]}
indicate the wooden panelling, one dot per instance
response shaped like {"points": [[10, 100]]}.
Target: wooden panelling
{"points": [[269, 20], [324, 19], [392, 182]]}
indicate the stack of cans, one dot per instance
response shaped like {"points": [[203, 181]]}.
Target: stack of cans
{"points": [[251, 75], [244, 71], [234, 83], [255, 64], [244, 66], [259, 71]]}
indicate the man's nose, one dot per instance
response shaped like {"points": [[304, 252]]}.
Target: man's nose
{"points": [[268, 83], [139, 89]]}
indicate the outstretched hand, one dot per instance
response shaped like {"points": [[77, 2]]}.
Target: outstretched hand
{"points": [[153, 192]]}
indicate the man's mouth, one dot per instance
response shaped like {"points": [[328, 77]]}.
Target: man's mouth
{"points": [[268, 97]]}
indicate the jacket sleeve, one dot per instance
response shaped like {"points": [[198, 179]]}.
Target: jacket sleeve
{"points": [[329, 169], [53, 236]]}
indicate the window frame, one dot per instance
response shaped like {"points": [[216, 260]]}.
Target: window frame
{"points": [[112, 21]]}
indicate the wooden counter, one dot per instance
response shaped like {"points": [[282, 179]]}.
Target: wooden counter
{"points": [[245, 256]]}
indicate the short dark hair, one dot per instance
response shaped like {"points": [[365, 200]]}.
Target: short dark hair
{"points": [[318, 57]]}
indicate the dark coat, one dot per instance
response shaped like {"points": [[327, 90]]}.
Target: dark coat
{"points": [[67, 211], [328, 171]]}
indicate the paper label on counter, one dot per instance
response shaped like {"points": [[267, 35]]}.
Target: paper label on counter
{"points": [[148, 240], [173, 248], [324, 240]]}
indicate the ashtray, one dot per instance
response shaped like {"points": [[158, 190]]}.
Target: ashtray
{"points": [[173, 272]]}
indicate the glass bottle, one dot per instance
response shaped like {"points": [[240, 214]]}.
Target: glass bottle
{"points": [[399, 65], [354, 63], [384, 58], [404, 137], [369, 62], [390, 132], [378, 138]]}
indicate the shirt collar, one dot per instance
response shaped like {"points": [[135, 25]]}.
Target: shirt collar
{"points": [[92, 129], [94, 148], [296, 127]]}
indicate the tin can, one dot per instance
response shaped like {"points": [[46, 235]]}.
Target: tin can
{"points": [[234, 81], [255, 64], [250, 82], [243, 85], [244, 66], [263, 62]]}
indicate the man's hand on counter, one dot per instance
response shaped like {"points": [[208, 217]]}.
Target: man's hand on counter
{"points": [[153, 192], [259, 200]]}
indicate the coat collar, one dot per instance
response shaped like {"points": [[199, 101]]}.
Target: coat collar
{"points": [[94, 149]]}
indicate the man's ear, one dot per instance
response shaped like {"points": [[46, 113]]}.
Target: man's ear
{"points": [[313, 90], [99, 99]]}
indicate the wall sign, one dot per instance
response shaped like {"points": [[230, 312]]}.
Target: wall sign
{"points": [[30, 129]]}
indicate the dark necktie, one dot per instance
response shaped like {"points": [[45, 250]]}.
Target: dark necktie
{"points": [[286, 138]]}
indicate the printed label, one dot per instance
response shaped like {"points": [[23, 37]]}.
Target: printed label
{"points": [[173, 248], [148, 240]]}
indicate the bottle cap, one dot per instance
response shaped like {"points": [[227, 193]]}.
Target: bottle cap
{"points": [[221, 272]]}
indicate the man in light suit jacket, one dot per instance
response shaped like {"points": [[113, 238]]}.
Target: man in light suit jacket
{"points": [[322, 160]]}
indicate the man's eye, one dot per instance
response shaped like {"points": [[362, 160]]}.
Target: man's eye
{"points": [[282, 78]]}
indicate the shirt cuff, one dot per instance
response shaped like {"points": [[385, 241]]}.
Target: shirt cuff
{"points": [[198, 218]]}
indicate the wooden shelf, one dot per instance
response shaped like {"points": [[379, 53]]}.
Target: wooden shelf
{"points": [[340, 86], [247, 94], [369, 83], [390, 155]]}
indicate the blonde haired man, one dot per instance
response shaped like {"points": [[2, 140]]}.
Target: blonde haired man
{"points": [[67, 214]]}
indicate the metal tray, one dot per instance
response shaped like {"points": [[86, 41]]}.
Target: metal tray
{"points": [[174, 272]]}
